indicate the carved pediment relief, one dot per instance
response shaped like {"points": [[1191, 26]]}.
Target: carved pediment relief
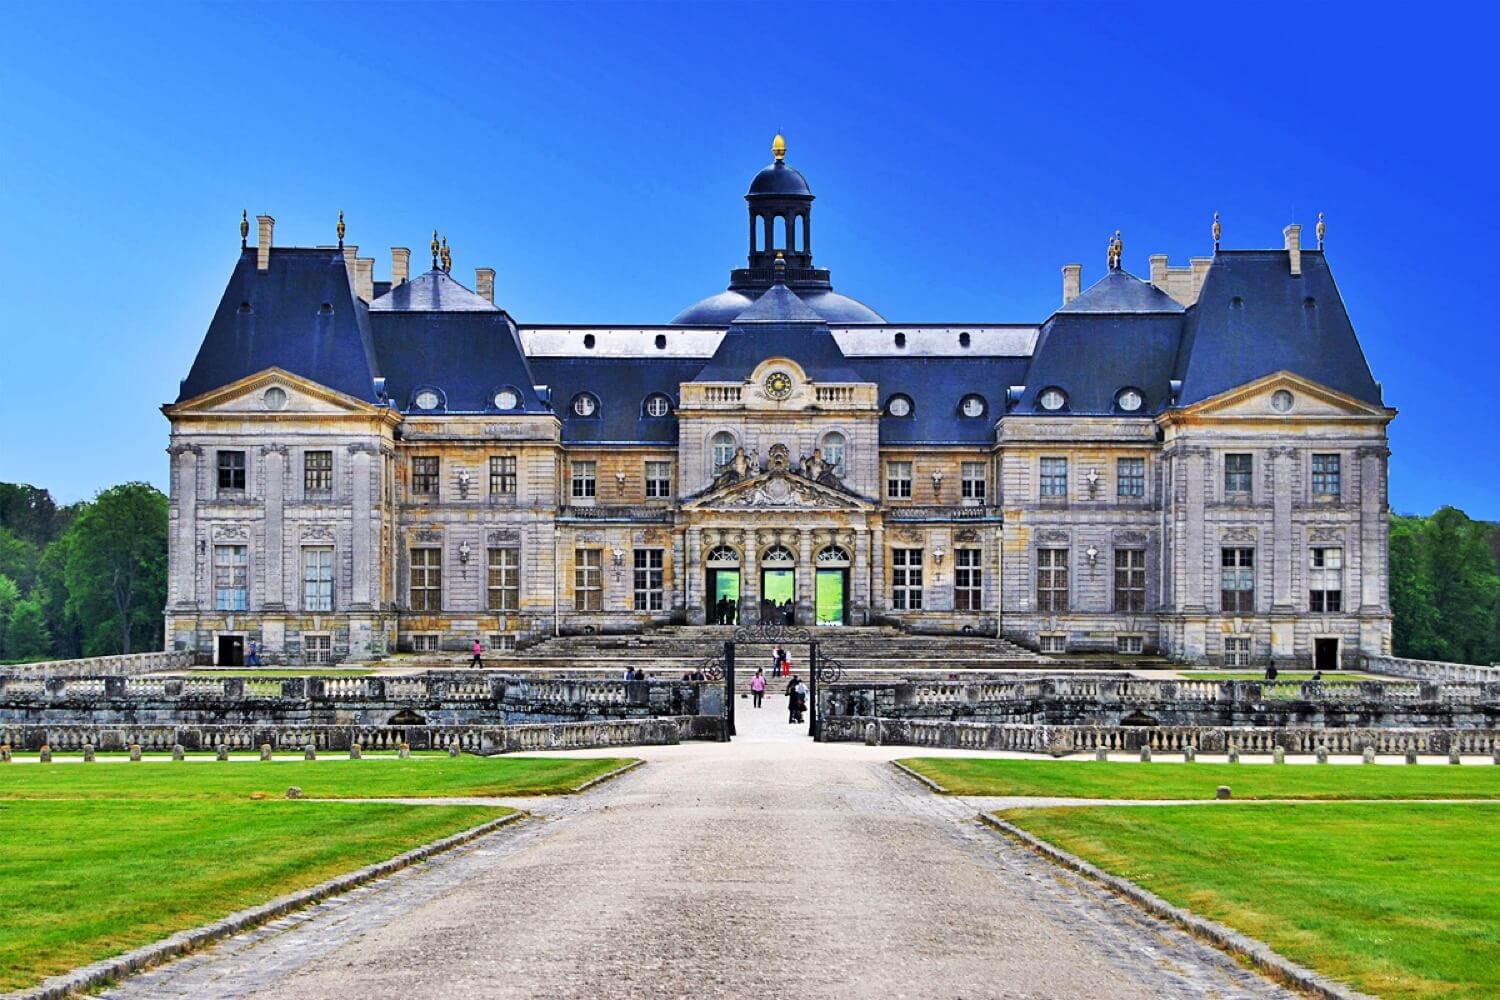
{"points": [[778, 490], [1284, 395], [272, 392]]}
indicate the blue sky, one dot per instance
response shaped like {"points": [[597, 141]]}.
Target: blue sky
{"points": [[595, 157]]}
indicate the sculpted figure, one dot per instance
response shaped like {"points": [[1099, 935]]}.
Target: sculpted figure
{"points": [[815, 468]]}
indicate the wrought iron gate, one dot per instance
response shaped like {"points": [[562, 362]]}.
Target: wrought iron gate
{"points": [[820, 668]]}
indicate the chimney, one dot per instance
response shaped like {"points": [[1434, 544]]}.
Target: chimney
{"points": [[400, 265], [484, 283], [263, 248], [350, 252], [1072, 280], [1159, 270], [1200, 266], [364, 277], [1293, 234]]}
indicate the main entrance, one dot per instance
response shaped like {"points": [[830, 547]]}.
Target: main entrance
{"points": [[832, 593], [778, 596], [818, 669], [723, 596]]}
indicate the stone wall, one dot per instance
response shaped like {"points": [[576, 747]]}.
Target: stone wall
{"points": [[1431, 670], [126, 665]]}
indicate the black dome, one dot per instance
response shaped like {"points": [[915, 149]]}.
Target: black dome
{"points": [[721, 309], [780, 179]]}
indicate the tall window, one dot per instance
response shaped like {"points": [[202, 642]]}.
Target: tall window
{"points": [[1237, 579], [906, 579], [1236, 651], [1130, 579], [588, 579], [585, 483], [503, 476], [232, 471], [317, 579], [833, 452], [1326, 580], [427, 579], [1239, 472], [648, 579], [1054, 478], [658, 480], [1327, 477], [723, 449], [317, 648], [898, 480], [424, 476], [503, 580], [317, 473], [973, 481], [1130, 478], [231, 577], [968, 579], [1052, 579]]}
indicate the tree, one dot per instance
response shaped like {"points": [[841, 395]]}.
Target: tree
{"points": [[51, 591], [10, 596], [18, 559], [116, 569], [31, 513], [1464, 585], [26, 635], [1414, 629]]}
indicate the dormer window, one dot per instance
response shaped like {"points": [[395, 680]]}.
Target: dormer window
{"points": [[658, 405], [585, 405], [899, 406], [972, 405], [427, 399], [507, 399], [1052, 399], [1129, 400]]}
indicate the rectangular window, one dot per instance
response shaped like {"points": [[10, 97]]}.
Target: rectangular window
{"points": [[1327, 477], [1326, 580], [317, 473], [658, 480], [1130, 579], [424, 642], [1052, 579], [1052, 643], [427, 579], [648, 582], [1239, 471], [968, 579], [424, 476], [973, 481], [503, 476], [232, 471], [585, 483], [1130, 644], [317, 649], [1237, 579], [1130, 478], [898, 480], [1054, 478], [906, 579], [1237, 651], [502, 642], [317, 579], [503, 580], [231, 577], [588, 580]]}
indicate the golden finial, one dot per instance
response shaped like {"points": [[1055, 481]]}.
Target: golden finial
{"points": [[1116, 249], [1322, 230], [447, 257], [340, 228], [1217, 230], [244, 228], [778, 147], [435, 250]]}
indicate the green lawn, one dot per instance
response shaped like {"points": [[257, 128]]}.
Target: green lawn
{"points": [[1399, 900], [101, 858], [1167, 780]]}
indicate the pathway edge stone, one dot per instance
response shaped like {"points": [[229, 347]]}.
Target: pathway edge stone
{"points": [[932, 785], [1256, 952], [87, 977], [609, 775]]}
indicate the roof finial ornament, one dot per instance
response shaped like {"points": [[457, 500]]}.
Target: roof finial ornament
{"points": [[447, 257], [435, 250], [778, 146], [1217, 230], [1322, 230], [340, 228], [1116, 248], [244, 228], [779, 268]]}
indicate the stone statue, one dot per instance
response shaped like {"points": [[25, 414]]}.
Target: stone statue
{"points": [[740, 464], [815, 468]]}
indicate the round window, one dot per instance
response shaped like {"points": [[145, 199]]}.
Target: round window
{"points": [[1052, 399], [1282, 400], [658, 405], [427, 400], [899, 406], [274, 398], [1130, 401], [507, 399], [973, 406], [584, 405]]}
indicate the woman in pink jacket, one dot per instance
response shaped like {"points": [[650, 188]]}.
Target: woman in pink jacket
{"points": [[758, 686]]}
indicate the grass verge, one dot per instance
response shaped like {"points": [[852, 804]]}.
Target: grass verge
{"points": [[1398, 900], [1122, 780]]}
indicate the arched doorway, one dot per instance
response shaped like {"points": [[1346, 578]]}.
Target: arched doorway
{"points": [[723, 586], [778, 586], [831, 590]]}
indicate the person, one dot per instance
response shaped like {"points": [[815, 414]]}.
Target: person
{"points": [[1317, 676], [640, 674], [1270, 672], [792, 713], [629, 674], [698, 675], [254, 658], [477, 659], [758, 686], [801, 699], [778, 662]]}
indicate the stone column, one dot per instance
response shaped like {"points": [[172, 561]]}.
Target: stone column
{"points": [[1282, 488], [692, 585], [1372, 529], [364, 525], [679, 575], [749, 581], [1194, 529], [185, 572], [877, 570], [859, 579], [806, 612], [275, 544], [997, 589]]}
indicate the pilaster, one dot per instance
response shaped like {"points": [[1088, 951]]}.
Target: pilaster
{"points": [[273, 458]]}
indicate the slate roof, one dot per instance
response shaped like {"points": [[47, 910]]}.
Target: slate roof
{"points": [[300, 314], [1122, 292], [621, 385], [935, 386], [465, 356], [1092, 356], [778, 178], [435, 291], [778, 324], [721, 309]]}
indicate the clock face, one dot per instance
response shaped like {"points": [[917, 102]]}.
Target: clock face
{"points": [[778, 385]]}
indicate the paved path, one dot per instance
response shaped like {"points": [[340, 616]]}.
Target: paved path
{"points": [[770, 867]]}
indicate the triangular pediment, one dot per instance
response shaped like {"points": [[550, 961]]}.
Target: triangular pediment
{"points": [[249, 395], [1309, 400], [777, 491]]}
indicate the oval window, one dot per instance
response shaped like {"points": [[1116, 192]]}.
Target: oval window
{"points": [[658, 405], [274, 398], [899, 406], [1282, 400], [972, 406], [1052, 399], [584, 405], [1130, 401], [427, 400], [507, 399]]}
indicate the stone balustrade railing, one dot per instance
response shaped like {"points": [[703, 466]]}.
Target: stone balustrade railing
{"points": [[1063, 740], [125, 665], [1430, 670]]}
